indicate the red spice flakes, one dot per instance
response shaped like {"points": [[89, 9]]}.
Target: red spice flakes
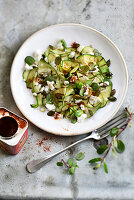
{"points": [[69, 105], [46, 147], [58, 116], [73, 79], [75, 45]]}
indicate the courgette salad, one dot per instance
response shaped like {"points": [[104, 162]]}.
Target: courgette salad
{"points": [[69, 82]]}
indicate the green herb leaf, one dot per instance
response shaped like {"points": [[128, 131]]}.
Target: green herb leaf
{"points": [[49, 78], [75, 164], [78, 113], [114, 131], [105, 167], [113, 151], [94, 160], [70, 162], [101, 149], [79, 85], [59, 164], [80, 156], [49, 98], [81, 92], [120, 146], [64, 43], [89, 82], [95, 86], [29, 60], [72, 170]]}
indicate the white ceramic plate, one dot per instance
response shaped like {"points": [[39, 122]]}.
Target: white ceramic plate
{"points": [[85, 36]]}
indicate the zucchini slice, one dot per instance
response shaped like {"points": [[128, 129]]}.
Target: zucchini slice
{"points": [[31, 75], [106, 93], [86, 59], [44, 67], [51, 58], [102, 64], [87, 50], [25, 75]]}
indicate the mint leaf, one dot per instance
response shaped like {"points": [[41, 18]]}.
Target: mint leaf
{"points": [[94, 160], [101, 149], [80, 156], [105, 167], [120, 146], [78, 113], [59, 164], [114, 131], [70, 162], [72, 170]]}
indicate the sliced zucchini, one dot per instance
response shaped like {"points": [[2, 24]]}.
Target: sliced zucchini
{"points": [[35, 88], [29, 85], [94, 109], [87, 50], [44, 67], [25, 75], [31, 75], [87, 59], [47, 52], [39, 99], [102, 64], [67, 65], [51, 58], [106, 93], [57, 51]]}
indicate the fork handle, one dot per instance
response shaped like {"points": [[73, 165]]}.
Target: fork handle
{"points": [[35, 165]]}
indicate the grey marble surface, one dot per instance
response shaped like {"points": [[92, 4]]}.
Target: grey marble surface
{"points": [[18, 20]]}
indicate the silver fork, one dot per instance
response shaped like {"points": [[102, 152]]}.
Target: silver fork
{"points": [[98, 134]]}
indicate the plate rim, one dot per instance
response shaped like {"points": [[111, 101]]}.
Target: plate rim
{"points": [[87, 27]]}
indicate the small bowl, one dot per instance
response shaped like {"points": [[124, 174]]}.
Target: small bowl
{"points": [[85, 36]]}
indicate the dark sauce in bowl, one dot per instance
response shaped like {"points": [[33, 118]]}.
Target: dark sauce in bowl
{"points": [[8, 126]]}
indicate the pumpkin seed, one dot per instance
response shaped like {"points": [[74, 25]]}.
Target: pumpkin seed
{"points": [[111, 98], [113, 92]]}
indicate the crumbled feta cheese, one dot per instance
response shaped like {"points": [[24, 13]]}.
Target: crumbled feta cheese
{"points": [[50, 107], [27, 67], [100, 84], [59, 45], [66, 82], [94, 99], [58, 116], [82, 107], [34, 94], [42, 89], [79, 49], [81, 118], [39, 86], [36, 83], [72, 54], [86, 92], [46, 88], [106, 82], [46, 59], [96, 69], [78, 100], [37, 55], [50, 85], [91, 53]]}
